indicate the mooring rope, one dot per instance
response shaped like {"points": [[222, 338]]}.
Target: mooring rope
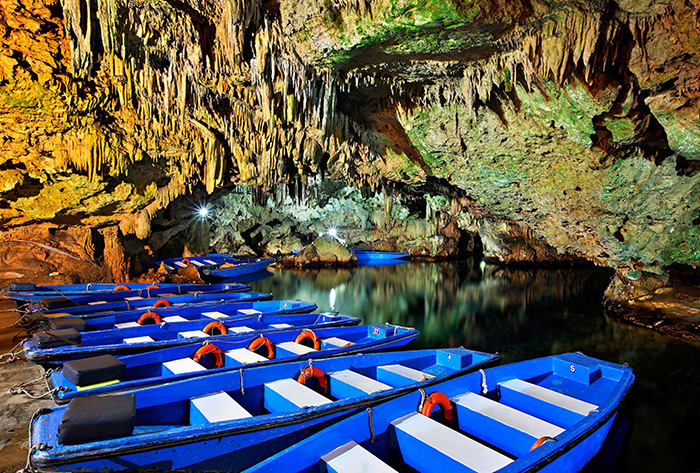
{"points": [[12, 355]]}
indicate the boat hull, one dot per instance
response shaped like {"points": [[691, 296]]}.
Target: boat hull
{"points": [[240, 268]]}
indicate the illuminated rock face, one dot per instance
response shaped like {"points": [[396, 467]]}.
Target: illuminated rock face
{"points": [[554, 130]]}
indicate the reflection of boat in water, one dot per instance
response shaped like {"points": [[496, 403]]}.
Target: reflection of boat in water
{"points": [[381, 262], [367, 255]]}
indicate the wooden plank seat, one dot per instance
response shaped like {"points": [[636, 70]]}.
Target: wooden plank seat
{"points": [[180, 264], [217, 407], [174, 318], [557, 408], [347, 383], [214, 315], [427, 445], [280, 326], [502, 426], [287, 395], [351, 458]]}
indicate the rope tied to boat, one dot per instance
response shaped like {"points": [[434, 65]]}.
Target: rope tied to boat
{"points": [[484, 387], [372, 438], [11, 355], [22, 388], [423, 397], [242, 390]]}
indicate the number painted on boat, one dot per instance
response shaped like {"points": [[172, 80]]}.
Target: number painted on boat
{"points": [[572, 368], [375, 331]]}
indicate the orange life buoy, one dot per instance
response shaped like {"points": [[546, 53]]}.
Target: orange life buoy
{"points": [[153, 286], [540, 441], [227, 265], [185, 261], [258, 342], [211, 326], [210, 349], [309, 334], [162, 303], [122, 287], [149, 316], [313, 372], [439, 399]]}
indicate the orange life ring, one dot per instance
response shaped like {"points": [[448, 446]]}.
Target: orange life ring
{"points": [[153, 286], [439, 399], [185, 261], [210, 349], [541, 441], [121, 287], [313, 372], [309, 334], [149, 316], [258, 342], [226, 265], [211, 326], [162, 303]]}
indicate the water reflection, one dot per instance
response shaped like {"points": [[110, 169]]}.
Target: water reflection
{"points": [[524, 314]]}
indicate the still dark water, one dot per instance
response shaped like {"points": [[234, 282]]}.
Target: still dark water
{"points": [[523, 314]]}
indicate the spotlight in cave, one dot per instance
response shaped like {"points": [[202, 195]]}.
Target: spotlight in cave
{"points": [[202, 212]]}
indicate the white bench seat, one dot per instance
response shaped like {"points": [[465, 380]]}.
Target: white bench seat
{"points": [[502, 426], [215, 315], [336, 342], [251, 312], [352, 458], [280, 326], [126, 325], [134, 298], [358, 381], [183, 365], [296, 348], [192, 334], [287, 394], [241, 329], [549, 396], [138, 339], [244, 356], [406, 372], [174, 318], [217, 407], [427, 445], [197, 263], [180, 264]]}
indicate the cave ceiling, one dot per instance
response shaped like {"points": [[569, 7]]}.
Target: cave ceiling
{"points": [[576, 121]]}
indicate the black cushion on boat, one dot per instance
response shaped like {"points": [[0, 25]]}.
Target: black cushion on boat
{"points": [[22, 286], [68, 322], [46, 340], [92, 418], [55, 303], [93, 370]]}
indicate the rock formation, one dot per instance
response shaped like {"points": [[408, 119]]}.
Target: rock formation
{"points": [[555, 131]]}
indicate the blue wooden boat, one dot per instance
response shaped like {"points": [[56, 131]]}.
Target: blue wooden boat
{"points": [[52, 346], [198, 261], [229, 421], [164, 300], [550, 414], [174, 314], [364, 255], [238, 268], [153, 290], [98, 375], [58, 289]]}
